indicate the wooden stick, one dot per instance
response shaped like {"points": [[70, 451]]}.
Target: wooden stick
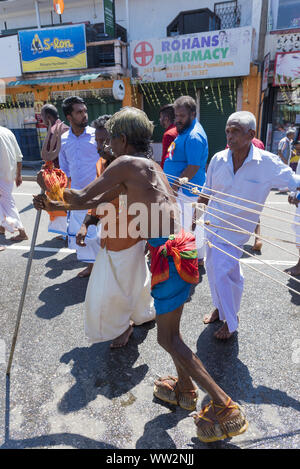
{"points": [[24, 289]]}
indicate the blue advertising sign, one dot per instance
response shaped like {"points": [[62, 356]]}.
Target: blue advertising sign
{"points": [[59, 48]]}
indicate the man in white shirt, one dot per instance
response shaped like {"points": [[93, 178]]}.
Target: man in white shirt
{"points": [[77, 158], [249, 173], [10, 171]]}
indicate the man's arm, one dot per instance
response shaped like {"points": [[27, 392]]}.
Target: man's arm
{"points": [[19, 174], [42, 202]]}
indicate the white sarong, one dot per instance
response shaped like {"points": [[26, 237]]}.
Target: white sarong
{"points": [[58, 225], [186, 210], [118, 290], [9, 215], [89, 252], [226, 281]]}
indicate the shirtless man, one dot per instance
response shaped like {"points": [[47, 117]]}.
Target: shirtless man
{"points": [[144, 183]]}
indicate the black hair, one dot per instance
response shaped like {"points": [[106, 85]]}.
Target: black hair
{"points": [[67, 105], [186, 101], [100, 122], [168, 111], [50, 110]]}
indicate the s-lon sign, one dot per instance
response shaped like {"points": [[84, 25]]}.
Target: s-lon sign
{"points": [[62, 48], [211, 54]]}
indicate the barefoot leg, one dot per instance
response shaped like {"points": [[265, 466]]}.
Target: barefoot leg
{"points": [[294, 270], [122, 340], [22, 236], [223, 333], [86, 272], [212, 317]]}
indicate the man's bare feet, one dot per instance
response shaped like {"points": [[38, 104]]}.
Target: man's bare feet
{"points": [[86, 272], [212, 317], [223, 333], [22, 236], [295, 271], [122, 340], [257, 245], [2, 248]]}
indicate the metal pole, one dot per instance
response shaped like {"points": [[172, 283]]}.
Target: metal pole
{"points": [[37, 12], [25, 283]]}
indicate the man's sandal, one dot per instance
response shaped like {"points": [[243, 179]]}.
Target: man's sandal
{"points": [[225, 427], [166, 390]]}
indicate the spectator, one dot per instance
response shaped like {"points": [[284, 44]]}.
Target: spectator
{"points": [[10, 171], [166, 119], [77, 158], [187, 157]]}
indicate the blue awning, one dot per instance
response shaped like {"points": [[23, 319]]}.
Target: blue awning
{"points": [[62, 79]]}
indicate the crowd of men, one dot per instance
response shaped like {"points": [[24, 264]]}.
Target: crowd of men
{"points": [[110, 173]]}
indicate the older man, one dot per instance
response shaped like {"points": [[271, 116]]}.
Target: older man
{"points": [[166, 120], [240, 171], [186, 158], [10, 171], [173, 268]]}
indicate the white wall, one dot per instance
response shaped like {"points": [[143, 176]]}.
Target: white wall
{"points": [[9, 57], [147, 18]]}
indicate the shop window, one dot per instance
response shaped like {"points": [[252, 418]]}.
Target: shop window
{"points": [[194, 21], [283, 14]]}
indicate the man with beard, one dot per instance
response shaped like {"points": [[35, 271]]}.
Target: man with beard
{"points": [[77, 158], [187, 157]]}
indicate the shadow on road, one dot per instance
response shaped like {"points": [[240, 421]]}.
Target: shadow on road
{"points": [[295, 299], [60, 295], [101, 370], [222, 362]]}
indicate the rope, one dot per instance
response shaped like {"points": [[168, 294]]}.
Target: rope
{"points": [[253, 268], [243, 250], [175, 179]]}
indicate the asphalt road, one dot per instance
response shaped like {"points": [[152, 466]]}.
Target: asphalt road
{"points": [[65, 393]]}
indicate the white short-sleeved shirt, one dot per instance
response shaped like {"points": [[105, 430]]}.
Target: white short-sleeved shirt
{"points": [[78, 157], [10, 155], [260, 172]]}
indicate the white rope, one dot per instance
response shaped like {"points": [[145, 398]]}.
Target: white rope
{"points": [[243, 250], [175, 180], [253, 268]]}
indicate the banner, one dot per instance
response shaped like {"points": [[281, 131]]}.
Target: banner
{"points": [[60, 48], [59, 6], [211, 54], [287, 68], [109, 17]]}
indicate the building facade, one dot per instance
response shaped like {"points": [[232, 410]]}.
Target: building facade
{"points": [[158, 51], [281, 91]]}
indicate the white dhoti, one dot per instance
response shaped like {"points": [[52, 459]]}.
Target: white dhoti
{"points": [[296, 228], [118, 291], [9, 215], [185, 206], [226, 281], [58, 225], [89, 252]]}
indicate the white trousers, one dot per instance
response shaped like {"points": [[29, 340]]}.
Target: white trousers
{"points": [[186, 210], [226, 281], [9, 215], [89, 252], [296, 228], [118, 291]]}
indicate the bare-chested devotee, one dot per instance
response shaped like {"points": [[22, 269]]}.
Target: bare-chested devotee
{"points": [[173, 266]]}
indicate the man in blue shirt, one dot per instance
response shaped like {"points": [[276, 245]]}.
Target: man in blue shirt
{"points": [[186, 158]]}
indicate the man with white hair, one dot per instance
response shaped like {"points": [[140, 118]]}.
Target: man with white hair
{"points": [[242, 171]]}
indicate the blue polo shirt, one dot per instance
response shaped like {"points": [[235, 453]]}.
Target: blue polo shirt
{"points": [[189, 148]]}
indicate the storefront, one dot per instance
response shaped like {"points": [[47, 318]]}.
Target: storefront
{"points": [[213, 67]]}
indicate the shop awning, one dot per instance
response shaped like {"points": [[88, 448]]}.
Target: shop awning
{"points": [[62, 79]]}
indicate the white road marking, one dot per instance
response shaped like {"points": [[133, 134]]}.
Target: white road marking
{"points": [[69, 251], [41, 249]]}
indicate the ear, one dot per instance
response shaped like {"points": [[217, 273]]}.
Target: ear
{"points": [[251, 133]]}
